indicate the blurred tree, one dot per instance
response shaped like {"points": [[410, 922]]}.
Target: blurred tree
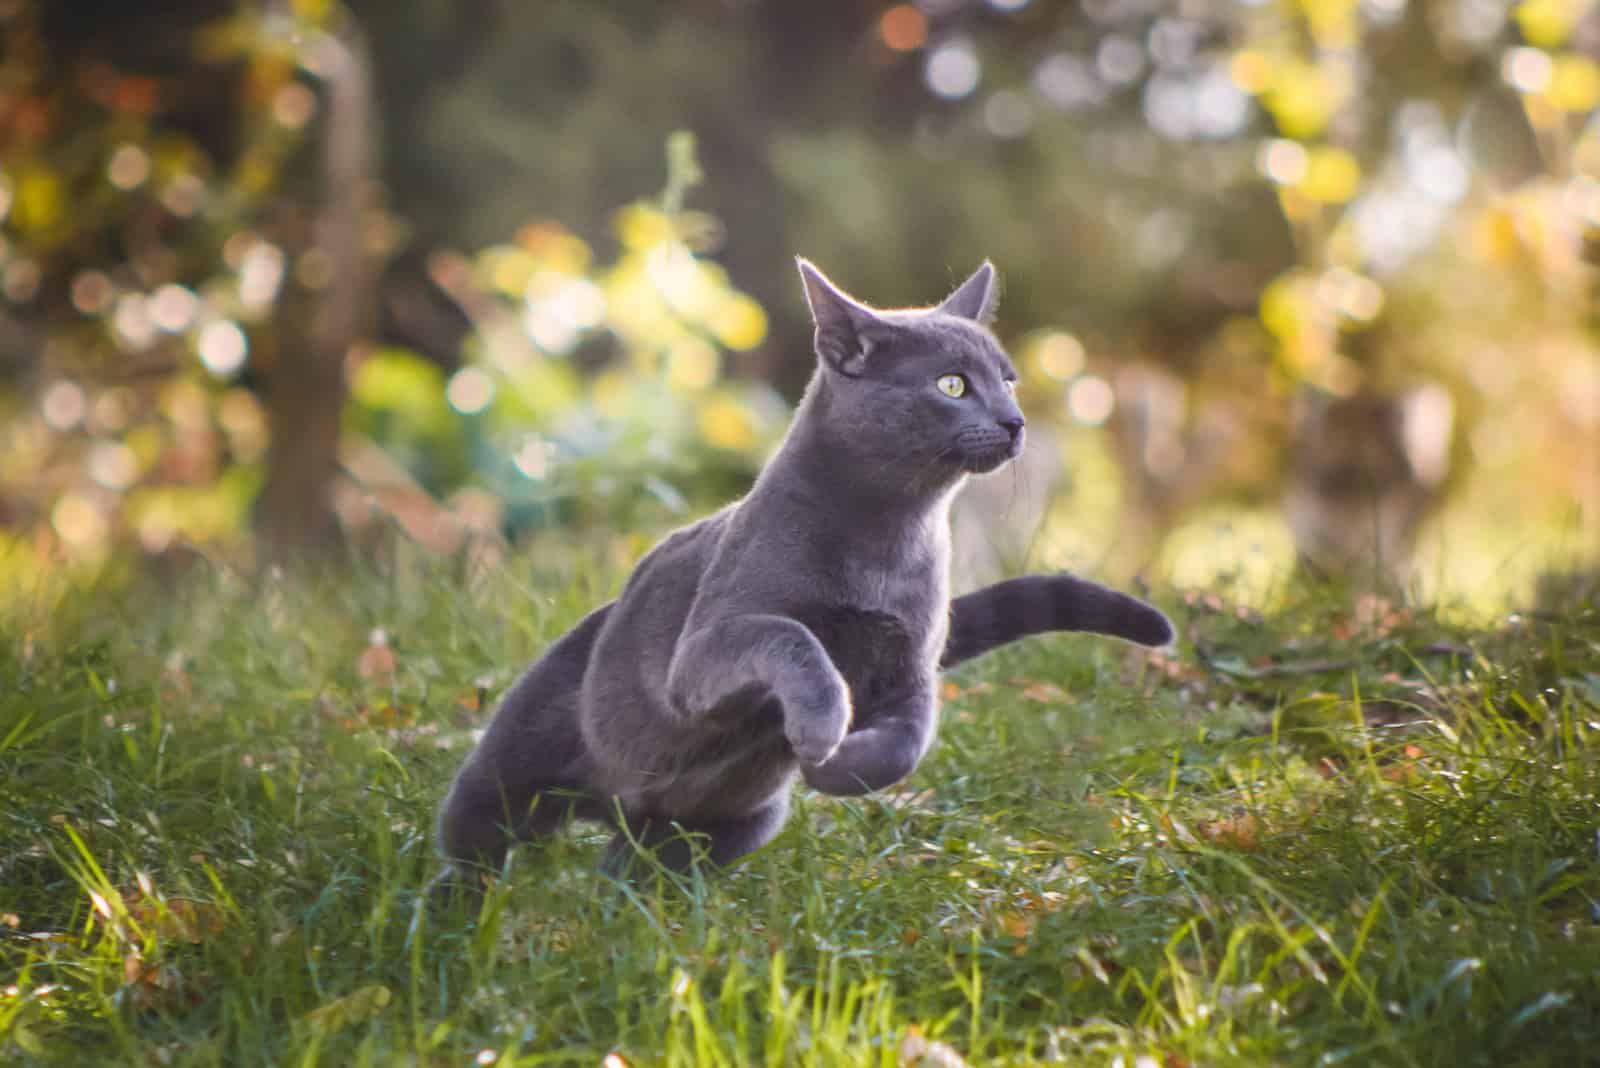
{"points": [[1314, 253], [174, 227], [305, 394]]}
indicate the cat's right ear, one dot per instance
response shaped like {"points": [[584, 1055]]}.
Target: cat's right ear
{"points": [[842, 323]]}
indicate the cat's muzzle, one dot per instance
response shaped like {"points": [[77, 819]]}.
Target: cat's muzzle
{"points": [[990, 455], [981, 451]]}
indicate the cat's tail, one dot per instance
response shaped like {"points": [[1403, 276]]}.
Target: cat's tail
{"points": [[1036, 604]]}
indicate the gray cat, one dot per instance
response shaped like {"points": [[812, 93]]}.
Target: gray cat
{"points": [[802, 628]]}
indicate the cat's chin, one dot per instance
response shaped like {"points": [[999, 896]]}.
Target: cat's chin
{"points": [[988, 462]]}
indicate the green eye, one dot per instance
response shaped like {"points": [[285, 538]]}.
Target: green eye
{"points": [[952, 385], [1011, 385]]}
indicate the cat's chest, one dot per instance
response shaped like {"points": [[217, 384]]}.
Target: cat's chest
{"points": [[875, 651], [896, 608], [905, 577]]}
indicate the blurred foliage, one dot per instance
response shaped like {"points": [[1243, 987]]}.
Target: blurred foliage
{"points": [[145, 266], [592, 394], [146, 248], [1330, 261]]}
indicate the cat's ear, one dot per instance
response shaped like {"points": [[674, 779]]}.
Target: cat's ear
{"points": [[842, 323], [976, 298]]}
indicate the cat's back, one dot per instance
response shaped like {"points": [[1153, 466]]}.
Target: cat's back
{"points": [[637, 640]]}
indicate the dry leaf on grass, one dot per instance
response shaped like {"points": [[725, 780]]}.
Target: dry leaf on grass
{"points": [[377, 660], [1237, 832], [919, 1052], [1046, 693]]}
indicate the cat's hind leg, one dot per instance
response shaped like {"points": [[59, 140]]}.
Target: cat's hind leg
{"points": [[530, 772], [677, 845], [491, 805]]}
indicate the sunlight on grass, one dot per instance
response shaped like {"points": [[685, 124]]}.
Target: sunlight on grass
{"points": [[1315, 836], [1249, 551]]}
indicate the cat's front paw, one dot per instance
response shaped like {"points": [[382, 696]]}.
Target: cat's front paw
{"points": [[815, 730]]}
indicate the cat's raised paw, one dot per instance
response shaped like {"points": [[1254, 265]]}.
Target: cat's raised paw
{"points": [[815, 733]]}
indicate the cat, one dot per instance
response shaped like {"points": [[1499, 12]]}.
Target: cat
{"points": [[800, 629]]}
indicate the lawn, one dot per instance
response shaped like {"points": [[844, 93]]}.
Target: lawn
{"points": [[1329, 833]]}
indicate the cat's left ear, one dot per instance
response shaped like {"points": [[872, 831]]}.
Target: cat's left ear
{"points": [[976, 298], [843, 324]]}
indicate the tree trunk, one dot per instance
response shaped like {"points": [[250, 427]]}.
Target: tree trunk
{"points": [[306, 391]]}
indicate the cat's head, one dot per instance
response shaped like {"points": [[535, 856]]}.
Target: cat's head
{"points": [[929, 386]]}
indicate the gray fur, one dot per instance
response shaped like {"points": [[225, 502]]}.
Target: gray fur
{"points": [[799, 630]]}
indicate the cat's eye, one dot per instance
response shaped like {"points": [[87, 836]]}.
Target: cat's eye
{"points": [[1011, 384], [952, 385]]}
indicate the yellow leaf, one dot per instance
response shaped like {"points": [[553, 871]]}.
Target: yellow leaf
{"points": [[1548, 23], [1333, 23], [556, 247], [725, 424], [38, 200], [640, 226], [1494, 236], [507, 269], [1303, 97], [1250, 70], [317, 11], [1575, 83], [739, 323], [1285, 306], [1332, 175]]}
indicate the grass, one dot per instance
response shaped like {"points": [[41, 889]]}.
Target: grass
{"points": [[1328, 835]]}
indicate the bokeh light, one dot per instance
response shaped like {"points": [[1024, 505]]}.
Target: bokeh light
{"points": [[1283, 161], [113, 465], [1008, 114], [903, 28], [534, 457], [1090, 400], [63, 405], [129, 167], [173, 308], [79, 522], [1059, 355], [470, 391], [1068, 82], [1253, 202], [132, 322], [1119, 59], [91, 293], [261, 268], [953, 69], [1527, 70], [294, 105], [223, 348]]}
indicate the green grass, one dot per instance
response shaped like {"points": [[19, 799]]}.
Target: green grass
{"points": [[1307, 839]]}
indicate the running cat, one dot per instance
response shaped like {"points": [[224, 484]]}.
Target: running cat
{"points": [[801, 629]]}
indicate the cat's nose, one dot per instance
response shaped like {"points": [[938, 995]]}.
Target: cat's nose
{"points": [[1012, 427]]}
